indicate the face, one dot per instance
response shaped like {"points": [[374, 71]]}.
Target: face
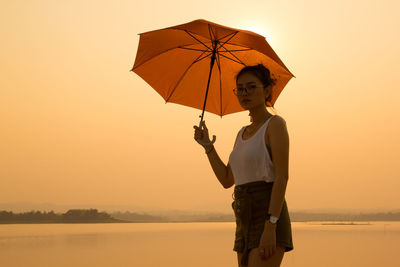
{"points": [[257, 97]]}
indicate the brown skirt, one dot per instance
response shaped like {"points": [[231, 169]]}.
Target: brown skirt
{"points": [[250, 205]]}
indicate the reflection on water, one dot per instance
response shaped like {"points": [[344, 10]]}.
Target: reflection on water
{"points": [[195, 244]]}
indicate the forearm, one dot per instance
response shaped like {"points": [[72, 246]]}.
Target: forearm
{"points": [[277, 197], [219, 168]]}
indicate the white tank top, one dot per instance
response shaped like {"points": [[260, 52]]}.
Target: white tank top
{"points": [[250, 160]]}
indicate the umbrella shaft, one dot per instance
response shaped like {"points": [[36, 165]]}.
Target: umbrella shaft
{"points": [[209, 77]]}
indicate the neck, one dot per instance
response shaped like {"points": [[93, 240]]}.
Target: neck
{"points": [[258, 114]]}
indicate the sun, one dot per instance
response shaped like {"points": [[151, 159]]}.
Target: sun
{"points": [[256, 28]]}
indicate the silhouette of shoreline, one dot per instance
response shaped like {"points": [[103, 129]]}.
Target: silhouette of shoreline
{"points": [[344, 223], [71, 216], [93, 216]]}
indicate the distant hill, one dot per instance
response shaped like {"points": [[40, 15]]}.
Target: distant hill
{"points": [[71, 216], [229, 217], [92, 215], [222, 208]]}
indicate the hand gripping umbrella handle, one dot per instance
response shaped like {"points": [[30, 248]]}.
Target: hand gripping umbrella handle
{"points": [[206, 143]]}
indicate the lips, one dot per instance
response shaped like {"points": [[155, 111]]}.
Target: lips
{"points": [[245, 100]]}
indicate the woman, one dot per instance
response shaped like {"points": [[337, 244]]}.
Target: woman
{"points": [[258, 166]]}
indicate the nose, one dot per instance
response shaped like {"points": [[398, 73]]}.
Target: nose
{"points": [[245, 93]]}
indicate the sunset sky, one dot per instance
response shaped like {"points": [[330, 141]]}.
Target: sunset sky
{"points": [[77, 127]]}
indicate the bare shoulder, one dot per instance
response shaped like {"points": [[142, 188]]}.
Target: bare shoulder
{"points": [[278, 120], [277, 124], [276, 129]]}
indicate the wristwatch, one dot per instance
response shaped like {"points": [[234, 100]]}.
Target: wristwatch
{"points": [[273, 219]]}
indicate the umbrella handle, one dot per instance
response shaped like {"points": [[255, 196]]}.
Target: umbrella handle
{"points": [[207, 143]]}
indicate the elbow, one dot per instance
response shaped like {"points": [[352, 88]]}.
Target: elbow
{"points": [[282, 177], [228, 180], [228, 185]]}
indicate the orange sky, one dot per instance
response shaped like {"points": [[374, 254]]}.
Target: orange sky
{"points": [[79, 128]]}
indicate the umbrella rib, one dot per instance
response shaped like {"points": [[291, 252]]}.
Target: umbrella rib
{"points": [[221, 44], [236, 50], [212, 36], [198, 40], [229, 51], [227, 36], [240, 62], [193, 49], [202, 58], [232, 54], [284, 67], [208, 49], [176, 85], [162, 52], [239, 45]]}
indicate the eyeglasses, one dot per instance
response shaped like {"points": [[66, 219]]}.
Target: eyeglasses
{"points": [[249, 89]]}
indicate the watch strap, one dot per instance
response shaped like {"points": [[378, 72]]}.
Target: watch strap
{"points": [[272, 219]]}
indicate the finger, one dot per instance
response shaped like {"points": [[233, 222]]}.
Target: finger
{"points": [[263, 255], [270, 252], [263, 251], [202, 125]]}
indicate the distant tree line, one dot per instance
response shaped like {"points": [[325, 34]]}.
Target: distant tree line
{"points": [[379, 216], [298, 217], [72, 215], [137, 217], [92, 216]]}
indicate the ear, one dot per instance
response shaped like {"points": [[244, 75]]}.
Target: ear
{"points": [[268, 90]]}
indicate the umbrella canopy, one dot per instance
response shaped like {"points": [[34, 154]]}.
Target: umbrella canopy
{"points": [[178, 62], [175, 61]]}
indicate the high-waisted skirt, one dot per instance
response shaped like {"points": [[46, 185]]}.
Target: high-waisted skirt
{"points": [[250, 205]]}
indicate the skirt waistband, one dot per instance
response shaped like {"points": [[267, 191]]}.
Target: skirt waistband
{"points": [[252, 187]]}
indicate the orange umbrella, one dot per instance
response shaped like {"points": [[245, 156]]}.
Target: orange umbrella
{"points": [[178, 62]]}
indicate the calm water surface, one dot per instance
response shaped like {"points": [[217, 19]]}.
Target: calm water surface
{"points": [[190, 244]]}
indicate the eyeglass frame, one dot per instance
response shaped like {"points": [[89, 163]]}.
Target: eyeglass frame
{"points": [[246, 89]]}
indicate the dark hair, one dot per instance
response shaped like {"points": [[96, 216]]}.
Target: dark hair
{"points": [[264, 75]]}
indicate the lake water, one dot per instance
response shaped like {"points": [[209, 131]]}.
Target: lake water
{"points": [[191, 244]]}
